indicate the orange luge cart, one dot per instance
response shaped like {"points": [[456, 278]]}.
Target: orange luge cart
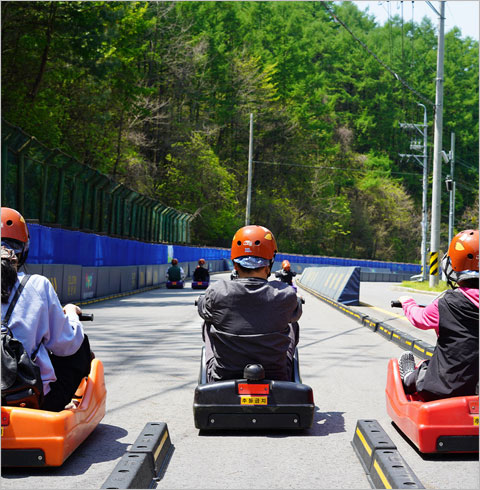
{"points": [[449, 425], [33, 437]]}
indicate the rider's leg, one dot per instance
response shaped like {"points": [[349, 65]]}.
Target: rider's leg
{"points": [[412, 380], [69, 370], [293, 335], [209, 356]]}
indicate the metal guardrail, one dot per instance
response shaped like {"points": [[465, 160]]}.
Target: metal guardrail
{"points": [[52, 188]]}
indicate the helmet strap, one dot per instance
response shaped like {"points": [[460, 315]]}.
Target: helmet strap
{"points": [[449, 272]]}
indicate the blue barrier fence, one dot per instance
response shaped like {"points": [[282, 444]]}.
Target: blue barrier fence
{"points": [[372, 264], [58, 246]]}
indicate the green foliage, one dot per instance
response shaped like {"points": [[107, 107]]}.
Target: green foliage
{"points": [[158, 95], [195, 182], [425, 286]]}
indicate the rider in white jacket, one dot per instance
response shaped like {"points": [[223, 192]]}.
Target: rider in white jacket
{"points": [[38, 319]]}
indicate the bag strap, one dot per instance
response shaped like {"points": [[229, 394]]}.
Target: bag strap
{"points": [[35, 352], [19, 290]]}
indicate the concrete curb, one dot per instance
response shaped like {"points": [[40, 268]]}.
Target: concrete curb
{"points": [[383, 464], [143, 464]]}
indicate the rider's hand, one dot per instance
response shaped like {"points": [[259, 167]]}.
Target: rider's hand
{"points": [[404, 298], [71, 308]]}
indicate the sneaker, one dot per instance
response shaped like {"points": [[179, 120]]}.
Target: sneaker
{"points": [[406, 363], [73, 404]]}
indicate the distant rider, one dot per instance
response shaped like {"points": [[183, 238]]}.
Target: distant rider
{"points": [[175, 273], [453, 368], [201, 274], [285, 274], [249, 320]]}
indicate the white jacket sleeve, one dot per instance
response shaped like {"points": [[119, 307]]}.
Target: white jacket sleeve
{"points": [[65, 333]]}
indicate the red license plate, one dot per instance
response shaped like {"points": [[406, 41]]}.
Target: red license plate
{"points": [[253, 389]]}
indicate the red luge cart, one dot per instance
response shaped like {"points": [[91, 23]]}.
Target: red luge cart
{"points": [[449, 425]]}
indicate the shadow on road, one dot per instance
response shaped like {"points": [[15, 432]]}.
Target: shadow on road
{"points": [[325, 423]]}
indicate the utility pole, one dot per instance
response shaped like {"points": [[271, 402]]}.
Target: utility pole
{"points": [[437, 153], [249, 185], [450, 182], [414, 145]]}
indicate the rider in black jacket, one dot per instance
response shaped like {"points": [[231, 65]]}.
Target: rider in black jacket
{"points": [[285, 274], [201, 274], [251, 319]]}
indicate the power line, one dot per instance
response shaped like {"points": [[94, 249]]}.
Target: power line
{"points": [[467, 187], [334, 168], [465, 164], [323, 167], [365, 47]]}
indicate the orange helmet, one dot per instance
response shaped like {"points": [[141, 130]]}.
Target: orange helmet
{"points": [[15, 233], [174, 261], [463, 251], [461, 261], [201, 261], [251, 244], [286, 265], [14, 226]]}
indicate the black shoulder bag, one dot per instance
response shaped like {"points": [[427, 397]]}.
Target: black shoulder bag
{"points": [[21, 380]]}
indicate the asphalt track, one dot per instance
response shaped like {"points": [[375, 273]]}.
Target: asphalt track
{"points": [[150, 345]]}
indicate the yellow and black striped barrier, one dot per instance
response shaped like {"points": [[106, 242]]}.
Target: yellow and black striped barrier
{"points": [[433, 263], [383, 464], [145, 462]]}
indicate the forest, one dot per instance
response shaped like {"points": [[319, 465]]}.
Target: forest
{"points": [[158, 95]]}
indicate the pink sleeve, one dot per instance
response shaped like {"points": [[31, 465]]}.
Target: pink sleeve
{"points": [[425, 318]]}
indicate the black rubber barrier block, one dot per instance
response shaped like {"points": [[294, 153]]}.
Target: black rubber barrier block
{"points": [[369, 436], [403, 339], [389, 470], [144, 461], [154, 440], [423, 349], [134, 470], [385, 330], [396, 334], [370, 323]]}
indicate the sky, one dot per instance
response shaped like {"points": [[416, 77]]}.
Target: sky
{"points": [[463, 14]]}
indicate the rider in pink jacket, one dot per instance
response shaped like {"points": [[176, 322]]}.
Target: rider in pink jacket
{"points": [[453, 368]]}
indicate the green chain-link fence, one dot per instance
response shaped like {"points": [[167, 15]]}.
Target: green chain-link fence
{"points": [[57, 190]]}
